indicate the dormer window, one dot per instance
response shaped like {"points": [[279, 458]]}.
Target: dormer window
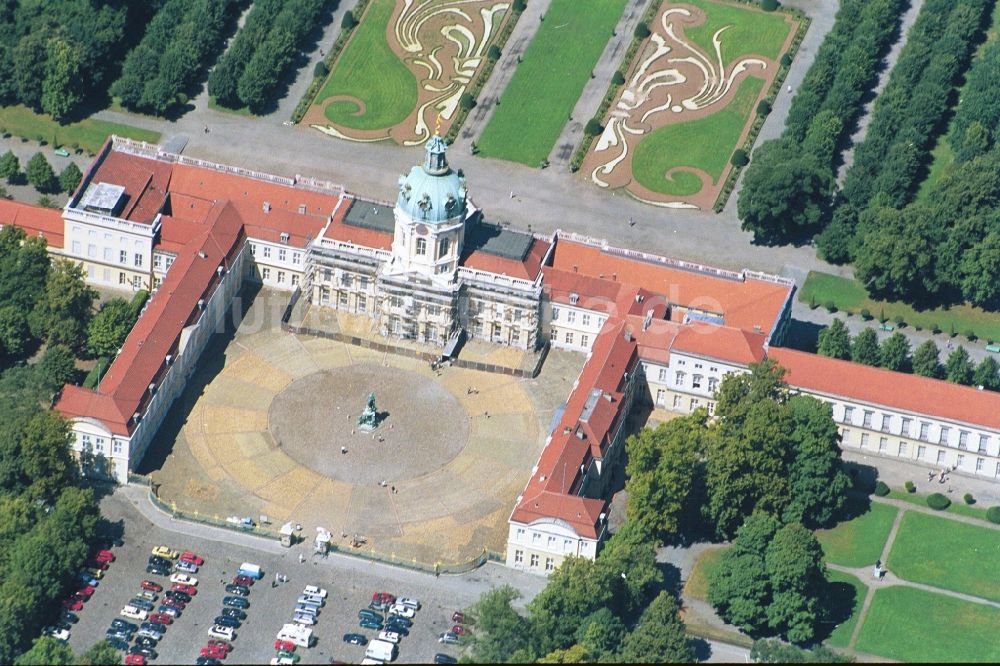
{"points": [[284, 237], [425, 203], [450, 203]]}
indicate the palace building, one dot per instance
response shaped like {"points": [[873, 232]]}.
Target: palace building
{"points": [[430, 268]]}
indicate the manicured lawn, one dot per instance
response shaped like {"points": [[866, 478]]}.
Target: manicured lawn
{"points": [[697, 583], [548, 82], [850, 296], [958, 506], [752, 32], [368, 70], [706, 144], [848, 593], [858, 542], [947, 554], [89, 134], [912, 625]]}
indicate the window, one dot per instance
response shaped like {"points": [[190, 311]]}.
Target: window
{"points": [[549, 564], [116, 448], [295, 279], [443, 246], [697, 366], [569, 338], [518, 556], [123, 257], [422, 250], [92, 251], [979, 464], [324, 295], [883, 444], [679, 378], [534, 560], [713, 384], [867, 423], [585, 320], [925, 430], [943, 436], [903, 449], [297, 258], [77, 248], [520, 533], [122, 279], [921, 452], [696, 381], [281, 277], [157, 261], [138, 260], [345, 279], [885, 422], [551, 542], [363, 283], [342, 299], [265, 273], [282, 254], [85, 442], [571, 317], [904, 429], [253, 249], [137, 282], [983, 441], [434, 310], [567, 545], [694, 404], [99, 445], [555, 311], [677, 402], [327, 275], [848, 415], [362, 303], [584, 340], [712, 369], [864, 440], [681, 361], [963, 439], [536, 537], [662, 375], [600, 321], [940, 457], [91, 234], [267, 252], [661, 397], [997, 472], [109, 255], [170, 262], [961, 460], [711, 409], [515, 337]]}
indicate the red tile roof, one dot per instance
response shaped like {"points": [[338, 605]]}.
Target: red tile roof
{"points": [[35, 220], [348, 233], [744, 303], [720, 342], [145, 182], [526, 269], [895, 390]]}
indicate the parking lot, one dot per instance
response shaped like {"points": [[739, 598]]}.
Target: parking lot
{"points": [[349, 581]]}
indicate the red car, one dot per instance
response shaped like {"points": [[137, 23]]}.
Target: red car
{"points": [[384, 598], [161, 618], [104, 556], [151, 586], [95, 564], [135, 660], [459, 630], [458, 616], [174, 603], [222, 645], [186, 589], [84, 593], [72, 604], [244, 580], [188, 556], [213, 652], [288, 646]]}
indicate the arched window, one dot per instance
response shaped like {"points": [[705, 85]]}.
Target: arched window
{"points": [[421, 246], [443, 246]]}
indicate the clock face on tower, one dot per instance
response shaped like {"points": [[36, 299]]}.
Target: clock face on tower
{"points": [[421, 229]]}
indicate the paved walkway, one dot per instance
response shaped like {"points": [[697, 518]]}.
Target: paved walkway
{"points": [[896, 472]]}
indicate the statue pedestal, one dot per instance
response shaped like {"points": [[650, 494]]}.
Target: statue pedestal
{"points": [[366, 427]]}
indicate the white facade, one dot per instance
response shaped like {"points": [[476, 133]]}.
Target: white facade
{"points": [[574, 328], [279, 265], [541, 546], [115, 253]]}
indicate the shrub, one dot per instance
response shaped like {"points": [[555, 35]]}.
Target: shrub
{"points": [[618, 78], [938, 502], [910, 488], [739, 158], [768, 5], [642, 30], [348, 22], [866, 314], [786, 60], [593, 127], [321, 71], [467, 101], [812, 303], [830, 306], [493, 53], [969, 499], [899, 320], [970, 335], [993, 514], [763, 107], [935, 329], [881, 489], [520, 5]]}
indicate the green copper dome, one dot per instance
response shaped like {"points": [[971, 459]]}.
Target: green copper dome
{"points": [[432, 192]]}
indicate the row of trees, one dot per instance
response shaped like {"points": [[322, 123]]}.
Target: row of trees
{"points": [[39, 173], [176, 46], [250, 71], [894, 353], [787, 188], [976, 125], [55, 54], [906, 119]]}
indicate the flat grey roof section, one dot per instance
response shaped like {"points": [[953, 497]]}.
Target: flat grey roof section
{"points": [[498, 241], [102, 196], [368, 215]]}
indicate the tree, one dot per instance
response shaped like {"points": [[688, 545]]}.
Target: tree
{"points": [[818, 484], [46, 651], [835, 341], [593, 127], [500, 631], [70, 178], [46, 461], [739, 588], [641, 30], [109, 328], [958, 367], [467, 101], [773, 651], [40, 173], [63, 313], [925, 360], [894, 353], [628, 552], [659, 637], [15, 334], [601, 635], [573, 592], [100, 653], [797, 573], [348, 22], [896, 252], [739, 158], [9, 165], [493, 53], [986, 375], [618, 78], [60, 88], [785, 193], [57, 367], [864, 348], [573, 655]]}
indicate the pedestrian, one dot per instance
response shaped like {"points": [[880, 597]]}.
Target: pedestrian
{"points": [[394, 489], [789, 88], [343, 449]]}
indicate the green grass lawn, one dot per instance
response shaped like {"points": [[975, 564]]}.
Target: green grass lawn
{"points": [[947, 554], [368, 70], [848, 593], [912, 625], [858, 542], [706, 143], [89, 134], [958, 506], [850, 296], [697, 582], [752, 32], [547, 84]]}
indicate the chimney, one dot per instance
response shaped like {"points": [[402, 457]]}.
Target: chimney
{"points": [[566, 430], [136, 417], [267, 207], [608, 397], [219, 270], [201, 303], [628, 336], [152, 388], [202, 254], [302, 209], [169, 359]]}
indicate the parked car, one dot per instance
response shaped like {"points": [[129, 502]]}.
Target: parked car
{"points": [[165, 551], [187, 567], [213, 652], [448, 637], [152, 626], [390, 636], [148, 595], [370, 614], [234, 613], [118, 643], [157, 570], [58, 634], [167, 609], [87, 579], [306, 608], [236, 602], [224, 646], [409, 602], [384, 597], [459, 617], [355, 639], [188, 556], [135, 660], [96, 573], [226, 621], [118, 635], [94, 564], [227, 633], [151, 633], [240, 590], [143, 604], [72, 604], [206, 661], [174, 603], [177, 594], [287, 646], [124, 625], [399, 620], [85, 592], [161, 618], [442, 658], [282, 661], [315, 591], [402, 631], [380, 606], [160, 561], [148, 653], [145, 641], [288, 655], [401, 611], [369, 623], [66, 616], [151, 586], [185, 588], [104, 556], [245, 581]]}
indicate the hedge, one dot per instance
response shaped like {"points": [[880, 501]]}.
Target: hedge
{"points": [[938, 502], [993, 514], [881, 489]]}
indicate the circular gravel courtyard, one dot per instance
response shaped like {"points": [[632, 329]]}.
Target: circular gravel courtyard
{"points": [[422, 426]]}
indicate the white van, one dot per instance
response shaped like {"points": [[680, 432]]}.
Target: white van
{"points": [[304, 618], [250, 569], [309, 600], [308, 609], [315, 591], [296, 633], [382, 650]]}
